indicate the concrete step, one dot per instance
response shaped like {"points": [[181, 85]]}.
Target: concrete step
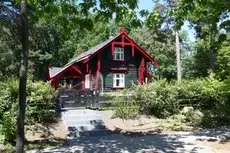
{"points": [[79, 113], [77, 134], [74, 118], [86, 127], [84, 122]]}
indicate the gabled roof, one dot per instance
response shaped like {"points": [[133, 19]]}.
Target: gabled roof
{"points": [[91, 51], [54, 71]]}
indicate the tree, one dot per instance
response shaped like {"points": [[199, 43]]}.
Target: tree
{"points": [[204, 16], [222, 69], [162, 18], [9, 42], [160, 45], [187, 55], [58, 31], [64, 16], [24, 30]]}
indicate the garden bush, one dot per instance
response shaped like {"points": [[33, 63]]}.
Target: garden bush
{"points": [[128, 109], [39, 107], [154, 99], [163, 99]]}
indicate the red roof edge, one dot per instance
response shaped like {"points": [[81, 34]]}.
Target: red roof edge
{"points": [[136, 45], [142, 50], [63, 70], [91, 56]]}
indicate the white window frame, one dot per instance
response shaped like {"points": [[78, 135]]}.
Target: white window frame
{"points": [[120, 77], [87, 81], [118, 54]]}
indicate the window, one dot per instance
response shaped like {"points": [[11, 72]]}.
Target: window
{"points": [[118, 54], [118, 80], [87, 81]]}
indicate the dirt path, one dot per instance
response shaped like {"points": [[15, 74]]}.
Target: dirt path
{"points": [[201, 141], [181, 142]]}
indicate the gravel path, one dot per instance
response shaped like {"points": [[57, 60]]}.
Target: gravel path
{"points": [[173, 142], [176, 142]]}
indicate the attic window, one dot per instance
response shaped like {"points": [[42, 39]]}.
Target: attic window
{"points": [[119, 53]]}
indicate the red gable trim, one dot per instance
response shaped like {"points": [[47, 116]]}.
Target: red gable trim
{"points": [[142, 69], [74, 67], [102, 48], [83, 83], [148, 75], [132, 43], [98, 71], [123, 40], [141, 50], [64, 70]]}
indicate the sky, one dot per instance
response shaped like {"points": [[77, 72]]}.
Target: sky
{"points": [[148, 5]]}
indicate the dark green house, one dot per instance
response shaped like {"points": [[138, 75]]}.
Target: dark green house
{"points": [[113, 64]]}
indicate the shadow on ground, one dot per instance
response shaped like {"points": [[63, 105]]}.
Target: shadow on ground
{"points": [[176, 142], [218, 134], [118, 143]]}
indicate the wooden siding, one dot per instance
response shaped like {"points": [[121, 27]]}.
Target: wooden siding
{"points": [[133, 73], [130, 64]]}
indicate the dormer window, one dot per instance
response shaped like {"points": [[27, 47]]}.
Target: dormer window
{"points": [[119, 53]]}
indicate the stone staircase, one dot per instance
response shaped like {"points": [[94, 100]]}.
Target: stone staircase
{"points": [[84, 122]]}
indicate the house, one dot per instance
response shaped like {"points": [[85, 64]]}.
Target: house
{"points": [[113, 64]]}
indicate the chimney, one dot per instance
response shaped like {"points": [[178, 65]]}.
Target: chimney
{"points": [[122, 30]]}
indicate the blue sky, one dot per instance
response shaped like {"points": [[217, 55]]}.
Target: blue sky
{"points": [[148, 4]]}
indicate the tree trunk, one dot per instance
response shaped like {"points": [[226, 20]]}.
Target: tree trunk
{"points": [[24, 31], [178, 60]]}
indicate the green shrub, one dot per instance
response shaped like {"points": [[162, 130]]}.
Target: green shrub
{"points": [[9, 126], [193, 117], [157, 98], [9, 148], [8, 107], [39, 108], [2, 137], [175, 122], [163, 99], [126, 107]]}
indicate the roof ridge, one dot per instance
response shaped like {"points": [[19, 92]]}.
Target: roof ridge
{"points": [[90, 51]]}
